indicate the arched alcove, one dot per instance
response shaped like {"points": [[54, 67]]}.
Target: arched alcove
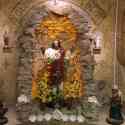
{"points": [[27, 43]]}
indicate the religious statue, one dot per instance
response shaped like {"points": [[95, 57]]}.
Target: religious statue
{"points": [[60, 78], [6, 40], [57, 64]]}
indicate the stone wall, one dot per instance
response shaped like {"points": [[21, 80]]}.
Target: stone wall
{"points": [[104, 61], [102, 13], [8, 62], [102, 16]]}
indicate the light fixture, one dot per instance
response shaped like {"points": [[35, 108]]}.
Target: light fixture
{"points": [[6, 40], [96, 42]]}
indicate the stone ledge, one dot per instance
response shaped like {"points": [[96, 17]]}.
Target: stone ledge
{"points": [[57, 123]]}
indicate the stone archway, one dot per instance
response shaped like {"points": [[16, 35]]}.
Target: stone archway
{"points": [[26, 43]]}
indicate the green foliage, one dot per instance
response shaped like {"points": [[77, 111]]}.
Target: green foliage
{"points": [[50, 61], [87, 107]]}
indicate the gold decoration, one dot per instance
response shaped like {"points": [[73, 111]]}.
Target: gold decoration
{"points": [[41, 88], [73, 85], [57, 28], [34, 88]]}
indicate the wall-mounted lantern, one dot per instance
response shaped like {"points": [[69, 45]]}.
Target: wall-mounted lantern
{"points": [[6, 40], [96, 43], [97, 48]]}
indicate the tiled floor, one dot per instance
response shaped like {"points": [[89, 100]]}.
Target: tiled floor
{"points": [[12, 117]]}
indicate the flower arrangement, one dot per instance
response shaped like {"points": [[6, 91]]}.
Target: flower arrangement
{"points": [[32, 118], [72, 90], [23, 99], [45, 93], [73, 85], [93, 99], [52, 54], [44, 89], [57, 115]]}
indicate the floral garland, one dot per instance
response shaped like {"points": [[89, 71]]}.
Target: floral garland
{"points": [[55, 26], [43, 88], [58, 116], [45, 93], [52, 54], [73, 85]]}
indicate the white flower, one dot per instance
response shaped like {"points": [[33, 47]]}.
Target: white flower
{"points": [[72, 118], [52, 54], [49, 53], [57, 54], [80, 118], [32, 118], [57, 115], [23, 98], [65, 118], [40, 118], [47, 117], [93, 99]]}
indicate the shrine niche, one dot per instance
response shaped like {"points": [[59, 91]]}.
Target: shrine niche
{"points": [[56, 68], [59, 77]]}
